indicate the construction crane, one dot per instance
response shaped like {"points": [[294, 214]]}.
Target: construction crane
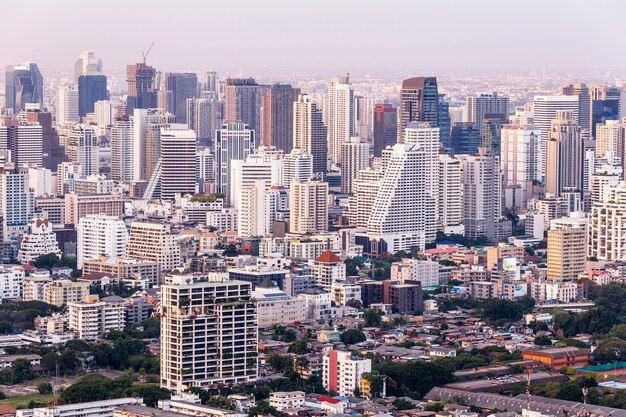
{"points": [[145, 54]]}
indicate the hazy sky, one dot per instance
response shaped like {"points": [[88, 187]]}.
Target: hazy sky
{"points": [[320, 35]]}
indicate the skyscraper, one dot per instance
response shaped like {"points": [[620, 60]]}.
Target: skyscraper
{"points": [[204, 116], [445, 122], [341, 115], [179, 86], [297, 166], [100, 235], [208, 85], [122, 149], [23, 84], [277, 116], [385, 127], [235, 141], [147, 124], [465, 138], [178, 161], [491, 131], [354, 157], [565, 155], [83, 148], [485, 103], [17, 202], [67, 105], [607, 227], [584, 103], [91, 88], [611, 138], [242, 102], [52, 153], [87, 63], [24, 139], [419, 102], [567, 248], [308, 207], [450, 195], [309, 133], [141, 89], [605, 105]]}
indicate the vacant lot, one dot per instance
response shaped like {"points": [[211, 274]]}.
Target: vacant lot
{"points": [[22, 401]]}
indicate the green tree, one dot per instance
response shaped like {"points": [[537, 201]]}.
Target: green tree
{"points": [[280, 363], [151, 393], [299, 347], [49, 361], [543, 341], [44, 387], [220, 401], [6, 327], [263, 408], [436, 407], [377, 383], [354, 303], [21, 370], [352, 336], [372, 317], [402, 404]]}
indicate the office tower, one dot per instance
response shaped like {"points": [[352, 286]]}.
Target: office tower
{"points": [[297, 166], [92, 319], [141, 87], [91, 88], [342, 372], [482, 197], [210, 340], [544, 111], [605, 105], [52, 153], [178, 161], [154, 242], [450, 195], [308, 207], [122, 149], [520, 162], [341, 115], [491, 131], [100, 235], [208, 85], [565, 155], [235, 141], [38, 240], [607, 227], [485, 103], [82, 147], [67, 105], [23, 84], [465, 138], [242, 102], [419, 102], [178, 87], [445, 121], [87, 63], [147, 124], [204, 116], [17, 202], [611, 138], [277, 116], [584, 103], [327, 269], [354, 157], [24, 140], [403, 214], [567, 248], [385, 127], [364, 191], [309, 133]]}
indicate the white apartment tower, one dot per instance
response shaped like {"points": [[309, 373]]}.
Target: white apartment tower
{"points": [[310, 133], [354, 157], [485, 103], [297, 166], [565, 155], [67, 105], [92, 318], [17, 201], [39, 240], [364, 191], [450, 195], [100, 235], [235, 141], [308, 207], [520, 160], [122, 149], [83, 148], [178, 161], [154, 242], [209, 333], [606, 237], [611, 137], [341, 115]]}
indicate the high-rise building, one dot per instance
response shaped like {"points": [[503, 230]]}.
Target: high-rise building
{"points": [[465, 138], [17, 201], [100, 235], [87, 63], [206, 337], [419, 102], [450, 195], [204, 116], [91, 319], [178, 87], [364, 191], [327, 269], [91, 88], [565, 155], [403, 214], [103, 113], [482, 197], [605, 105], [385, 127], [611, 138], [309, 133], [242, 102], [67, 105], [520, 162], [491, 131], [445, 121], [24, 139], [308, 207], [485, 103], [235, 141], [607, 227], [141, 87], [260, 166], [584, 103], [297, 166], [38, 240], [342, 372], [567, 248], [178, 161], [23, 84], [208, 85], [277, 116], [341, 115], [154, 242], [354, 157], [122, 149], [52, 153], [82, 147], [147, 124]]}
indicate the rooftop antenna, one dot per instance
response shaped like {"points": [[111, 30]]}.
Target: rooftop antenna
{"points": [[145, 54]]}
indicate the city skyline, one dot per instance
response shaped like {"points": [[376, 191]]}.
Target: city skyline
{"points": [[374, 38]]}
